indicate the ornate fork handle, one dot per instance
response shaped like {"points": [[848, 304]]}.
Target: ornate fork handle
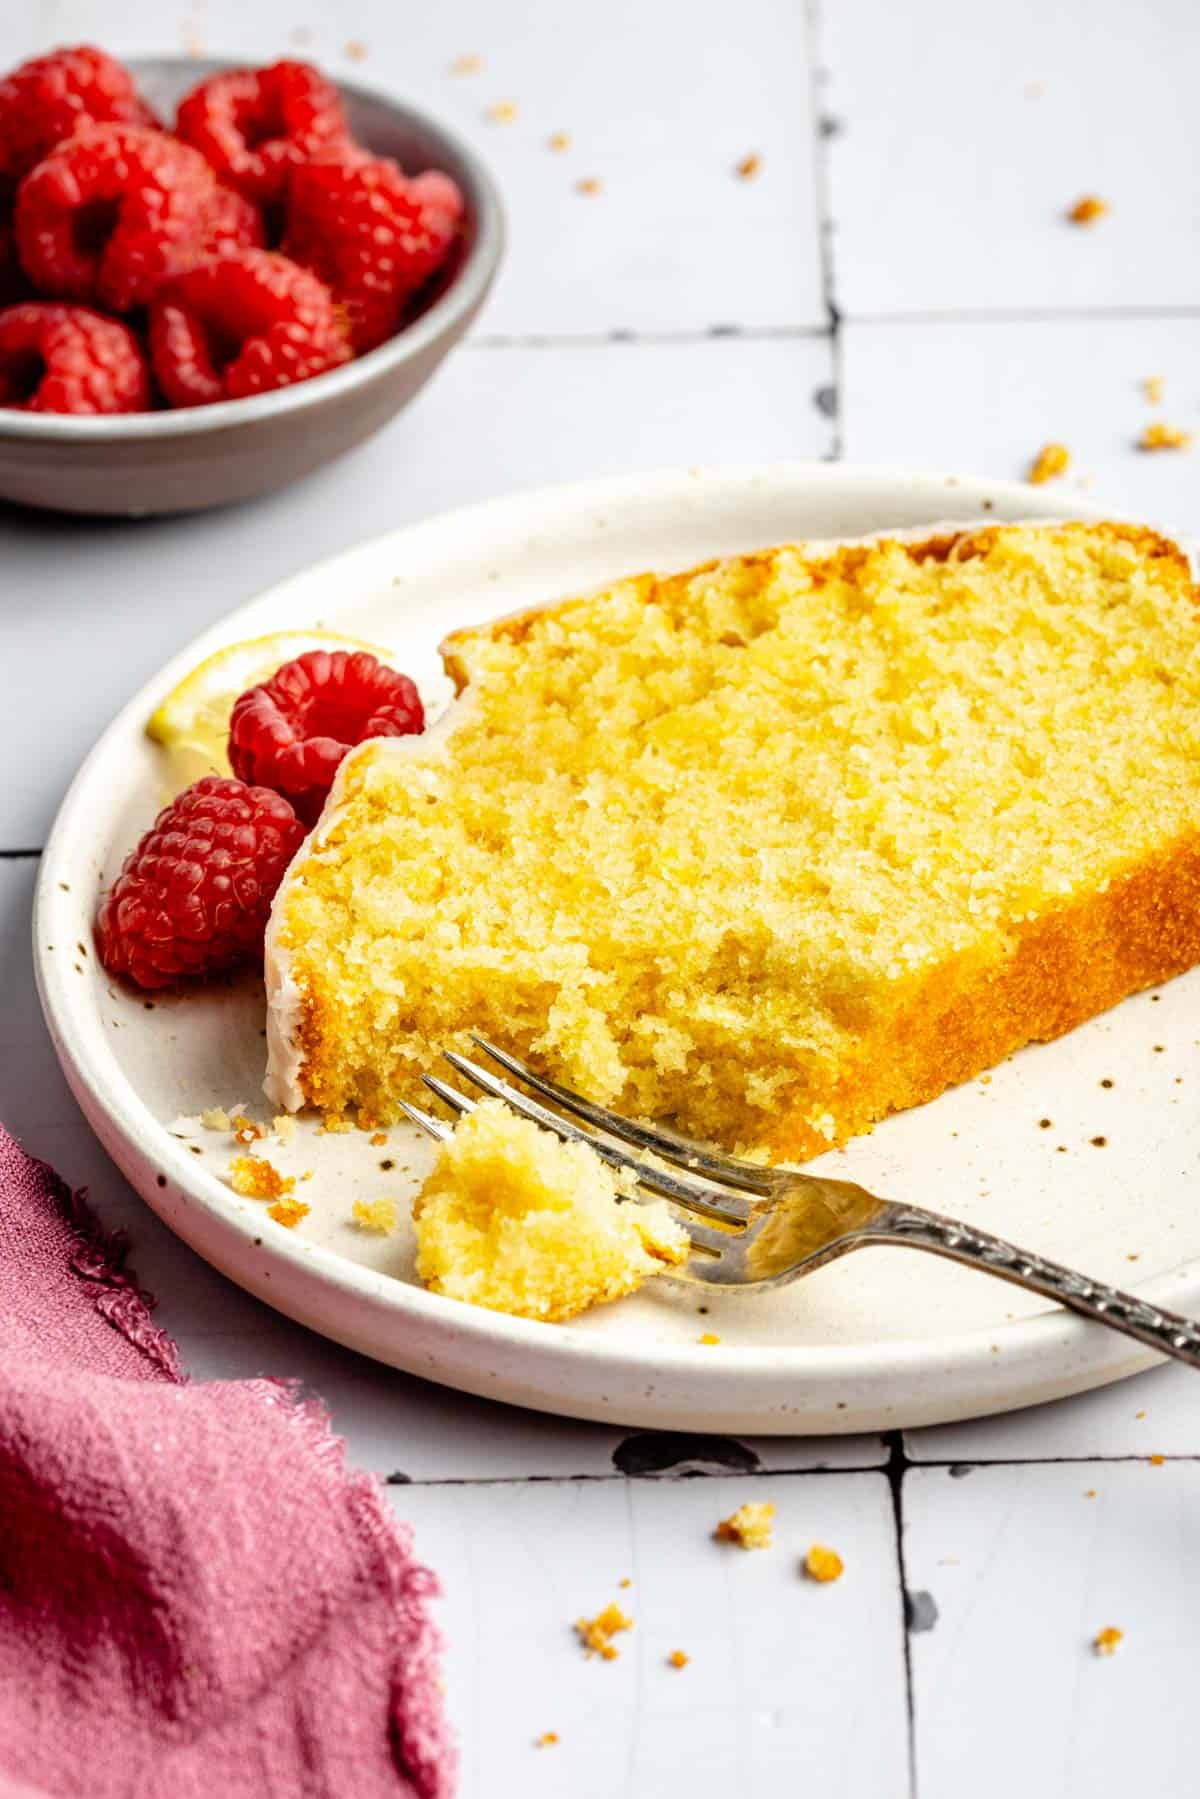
{"points": [[1168, 1332]]}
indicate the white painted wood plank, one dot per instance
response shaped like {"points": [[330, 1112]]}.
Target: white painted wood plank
{"points": [[967, 131], [104, 603], [1023, 1569], [392, 1422], [661, 102], [1153, 1414], [983, 396], [786, 1677]]}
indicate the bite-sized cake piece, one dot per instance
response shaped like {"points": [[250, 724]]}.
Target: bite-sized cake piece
{"points": [[771, 848], [512, 1218]]}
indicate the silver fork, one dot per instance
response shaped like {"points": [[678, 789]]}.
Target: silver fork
{"points": [[752, 1226]]}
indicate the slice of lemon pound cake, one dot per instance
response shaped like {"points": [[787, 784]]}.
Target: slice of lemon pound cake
{"points": [[771, 848]]}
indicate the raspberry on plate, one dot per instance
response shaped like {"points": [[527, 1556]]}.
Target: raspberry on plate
{"points": [[253, 125], [242, 324], [46, 99], [372, 234], [68, 359], [193, 897], [292, 732], [116, 209]]}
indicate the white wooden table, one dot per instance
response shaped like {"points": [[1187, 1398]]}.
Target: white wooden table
{"points": [[895, 284]]}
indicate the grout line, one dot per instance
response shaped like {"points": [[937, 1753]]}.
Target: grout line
{"points": [[898, 1465], [817, 77], [602, 340], [666, 1478], [1049, 1461], [1013, 315]]}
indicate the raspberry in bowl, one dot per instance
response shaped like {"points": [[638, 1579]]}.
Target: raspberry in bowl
{"points": [[213, 218]]}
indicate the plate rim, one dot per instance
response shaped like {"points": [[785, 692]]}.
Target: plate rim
{"points": [[1032, 1348]]}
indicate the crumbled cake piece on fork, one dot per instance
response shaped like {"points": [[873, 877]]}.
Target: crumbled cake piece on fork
{"points": [[772, 848]]}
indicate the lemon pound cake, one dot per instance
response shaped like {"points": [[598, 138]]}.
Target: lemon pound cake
{"points": [[770, 848], [512, 1218]]}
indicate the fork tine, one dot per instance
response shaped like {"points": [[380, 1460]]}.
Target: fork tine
{"points": [[433, 1127], [724, 1207], [675, 1148], [450, 1096]]}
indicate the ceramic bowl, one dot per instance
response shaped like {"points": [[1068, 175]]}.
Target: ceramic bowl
{"points": [[185, 461]]}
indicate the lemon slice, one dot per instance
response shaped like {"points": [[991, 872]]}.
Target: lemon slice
{"points": [[192, 723]]}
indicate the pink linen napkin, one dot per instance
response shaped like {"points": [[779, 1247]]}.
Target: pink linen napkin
{"points": [[196, 1596]]}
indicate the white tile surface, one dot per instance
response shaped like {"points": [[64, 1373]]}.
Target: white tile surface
{"points": [[785, 1677], [967, 131], [1024, 1569], [115, 599], [984, 396], [1153, 1414], [660, 102]]}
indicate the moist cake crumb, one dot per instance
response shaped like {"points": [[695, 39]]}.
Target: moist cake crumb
{"points": [[512, 1218], [547, 1739], [1105, 1641], [678, 1659], [749, 1526]]}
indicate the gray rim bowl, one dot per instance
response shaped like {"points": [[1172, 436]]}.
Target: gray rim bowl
{"points": [[138, 464]]}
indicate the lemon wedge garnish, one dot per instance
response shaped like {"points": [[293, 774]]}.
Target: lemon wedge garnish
{"points": [[192, 723]]}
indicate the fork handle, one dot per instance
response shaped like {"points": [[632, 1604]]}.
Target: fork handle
{"points": [[1170, 1333]]}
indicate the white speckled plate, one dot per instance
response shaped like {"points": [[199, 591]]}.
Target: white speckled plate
{"points": [[882, 1339]]}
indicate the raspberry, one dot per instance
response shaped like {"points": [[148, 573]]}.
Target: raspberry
{"points": [[67, 359], [293, 731], [45, 100], [193, 897], [253, 125], [240, 324], [116, 209], [372, 234]]}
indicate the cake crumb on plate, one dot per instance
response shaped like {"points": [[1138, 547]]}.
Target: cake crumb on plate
{"points": [[375, 1215], [256, 1178], [288, 1212]]}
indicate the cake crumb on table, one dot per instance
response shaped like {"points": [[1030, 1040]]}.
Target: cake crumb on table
{"points": [[559, 141], [502, 112], [749, 1526], [356, 50], [1158, 436], [1152, 387], [547, 1739], [1088, 209], [256, 1178], [1105, 1641], [596, 1634], [1156, 1461], [375, 1215], [468, 64], [625, 1583], [823, 1564], [678, 1659], [748, 167], [288, 1212], [589, 184], [1052, 460]]}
